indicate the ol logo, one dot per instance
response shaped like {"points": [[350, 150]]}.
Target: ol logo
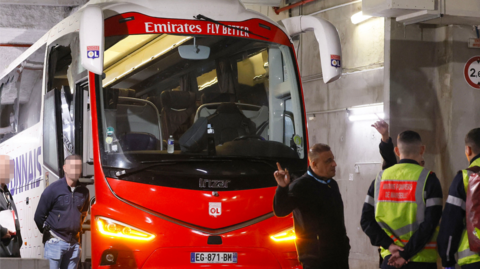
{"points": [[335, 60], [215, 209], [93, 52]]}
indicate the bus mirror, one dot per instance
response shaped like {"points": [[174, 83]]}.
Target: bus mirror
{"points": [[92, 39], [328, 42], [194, 52]]}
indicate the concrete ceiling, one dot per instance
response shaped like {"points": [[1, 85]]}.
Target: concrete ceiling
{"points": [[64, 3]]}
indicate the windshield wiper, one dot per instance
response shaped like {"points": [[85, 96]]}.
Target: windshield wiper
{"points": [[123, 173], [201, 17], [151, 164]]}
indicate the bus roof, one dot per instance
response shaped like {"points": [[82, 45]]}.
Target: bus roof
{"points": [[223, 10]]}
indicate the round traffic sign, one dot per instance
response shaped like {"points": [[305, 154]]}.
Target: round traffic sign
{"points": [[472, 72]]}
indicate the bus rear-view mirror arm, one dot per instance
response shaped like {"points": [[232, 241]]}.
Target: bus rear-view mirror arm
{"points": [[328, 42], [92, 38]]}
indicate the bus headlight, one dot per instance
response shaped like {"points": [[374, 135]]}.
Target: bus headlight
{"points": [[284, 236], [120, 230]]}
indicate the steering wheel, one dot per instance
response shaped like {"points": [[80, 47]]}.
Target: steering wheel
{"points": [[245, 137]]}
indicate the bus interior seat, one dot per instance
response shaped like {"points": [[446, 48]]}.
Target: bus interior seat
{"points": [[229, 122], [259, 115], [211, 101], [156, 101], [136, 120], [177, 113], [134, 141]]}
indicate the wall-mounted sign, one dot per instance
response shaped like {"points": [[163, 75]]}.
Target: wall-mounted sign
{"points": [[472, 72], [474, 43]]}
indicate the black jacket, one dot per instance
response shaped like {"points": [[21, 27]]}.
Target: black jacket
{"points": [[9, 247], [422, 236], [318, 216], [63, 210], [453, 221]]}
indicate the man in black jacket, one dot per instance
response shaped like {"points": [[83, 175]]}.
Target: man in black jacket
{"points": [[11, 241], [60, 214], [452, 237], [317, 207], [378, 237]]}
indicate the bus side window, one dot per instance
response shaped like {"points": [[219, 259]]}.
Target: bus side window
{"points": [[52, 134], [20, 96]]}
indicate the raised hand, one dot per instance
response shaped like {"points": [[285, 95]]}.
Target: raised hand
{"points": [[282, 176], [382, 128]]}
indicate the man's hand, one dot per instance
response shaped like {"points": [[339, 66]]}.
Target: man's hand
{"points": [[382, 128], [398, 263], [282, 176], [394, 249]]}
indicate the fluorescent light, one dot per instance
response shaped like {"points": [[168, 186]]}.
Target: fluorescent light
{"points": [[359, 17], [372, 116]]}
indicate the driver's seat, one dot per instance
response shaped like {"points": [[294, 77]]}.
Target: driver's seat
{"points": [[229, 122]]}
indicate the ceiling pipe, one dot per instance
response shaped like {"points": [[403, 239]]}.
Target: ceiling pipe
{"points": [[301, 3], [16, 45]]}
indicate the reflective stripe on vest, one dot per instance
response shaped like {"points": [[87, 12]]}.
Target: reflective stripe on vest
{"points": [[400, 206], [465, 255]]}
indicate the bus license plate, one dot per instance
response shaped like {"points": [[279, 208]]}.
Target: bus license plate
{"points": [[213, 257]]}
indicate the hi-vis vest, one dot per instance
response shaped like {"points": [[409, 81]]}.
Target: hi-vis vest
{"points": [[400, 206], [465, 255]]}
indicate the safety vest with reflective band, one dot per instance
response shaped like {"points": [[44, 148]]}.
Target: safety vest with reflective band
{"points": [[400, 206], [465, 255]]}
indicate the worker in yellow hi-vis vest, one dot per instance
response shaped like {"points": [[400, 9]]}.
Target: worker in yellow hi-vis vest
{"points": [[403, 208], [453, 234]]}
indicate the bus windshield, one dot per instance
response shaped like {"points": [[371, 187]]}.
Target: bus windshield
{"points": [[243, 101]]}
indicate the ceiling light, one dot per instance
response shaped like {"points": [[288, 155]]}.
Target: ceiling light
{"points": [[359, 17], [370, 112]]}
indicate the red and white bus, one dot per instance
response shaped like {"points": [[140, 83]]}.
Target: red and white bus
{"points": [[180, 110]]}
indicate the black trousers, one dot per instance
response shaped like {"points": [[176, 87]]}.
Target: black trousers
{"points": [[410, 265], [472, 266]]}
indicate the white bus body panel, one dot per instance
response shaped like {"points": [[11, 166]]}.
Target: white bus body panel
{"points": [[28, 184]]}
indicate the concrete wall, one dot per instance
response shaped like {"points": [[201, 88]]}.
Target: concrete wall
{"points": [[429, 94], [25, 24], [361, 84]]}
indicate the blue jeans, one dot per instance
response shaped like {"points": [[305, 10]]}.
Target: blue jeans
{"points": [[61, 254]]}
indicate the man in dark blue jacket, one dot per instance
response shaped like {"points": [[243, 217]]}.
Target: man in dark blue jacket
{"points": [[452, 237], [317, 205], [60, 214]]}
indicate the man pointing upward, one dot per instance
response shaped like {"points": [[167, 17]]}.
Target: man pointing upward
{"points": [[314, 198]]}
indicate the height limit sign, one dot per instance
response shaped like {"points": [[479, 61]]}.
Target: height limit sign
{"points": [[472, 72]]}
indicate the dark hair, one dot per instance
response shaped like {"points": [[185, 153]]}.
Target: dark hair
{"points": [[316, 149], [72, 157], [409, 142], [409, 137], [472, 139]]}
